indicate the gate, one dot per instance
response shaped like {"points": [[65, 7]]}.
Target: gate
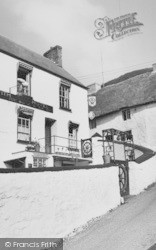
{"points": [[124, 178]]}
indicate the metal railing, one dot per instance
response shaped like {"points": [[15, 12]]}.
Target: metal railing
{"points": [[60, 145]]}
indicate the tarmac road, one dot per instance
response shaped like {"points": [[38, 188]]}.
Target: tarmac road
{"points": [[131, 226]]}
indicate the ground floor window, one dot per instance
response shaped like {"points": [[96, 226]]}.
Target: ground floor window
{"points": [[72, 135], [73, 139], [39, 162], [23, 129], [24, 118]]}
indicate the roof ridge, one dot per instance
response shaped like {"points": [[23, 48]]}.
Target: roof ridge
{"points": [[135, 91], [117, 79], [123, 82]]}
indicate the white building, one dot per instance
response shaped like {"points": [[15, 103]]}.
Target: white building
{"points": [[42, 119], [128, 105], [126, 108]]}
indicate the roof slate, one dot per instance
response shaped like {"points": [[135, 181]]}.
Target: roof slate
{"points": [[21, 53], [138, 90]]}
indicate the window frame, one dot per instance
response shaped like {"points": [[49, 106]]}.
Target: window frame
{"points": [[126, 114], [92, 123], [38, 159], [64, 95], [27, 70], [72, 139], [26, 119], [73, 135]]}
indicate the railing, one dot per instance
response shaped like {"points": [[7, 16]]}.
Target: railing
{"points": [[60, 146]]}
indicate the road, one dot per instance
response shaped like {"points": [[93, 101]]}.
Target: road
{"points": [[131, 226]]}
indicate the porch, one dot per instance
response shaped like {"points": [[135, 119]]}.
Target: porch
{"points": [[65, 151], [57, 151], [60, 146]]}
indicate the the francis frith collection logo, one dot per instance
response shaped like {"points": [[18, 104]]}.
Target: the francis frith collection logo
{"points": [[118, 27]]}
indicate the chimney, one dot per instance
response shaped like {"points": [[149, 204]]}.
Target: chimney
{"points": [[55, 54], [93, 88]]}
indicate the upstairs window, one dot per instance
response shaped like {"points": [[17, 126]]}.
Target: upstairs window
{"points": [[24, 79], [126, 114], [64, 95]]}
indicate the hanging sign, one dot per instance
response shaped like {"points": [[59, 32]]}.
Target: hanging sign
{"points": [[92, 101], [91, 115], [118, 27], [86, 147]]}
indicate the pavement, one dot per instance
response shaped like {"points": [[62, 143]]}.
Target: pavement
{"points": [[131, 226]]}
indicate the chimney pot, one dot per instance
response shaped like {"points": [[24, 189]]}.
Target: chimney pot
{"points": [[93, 88], [54, 54]]}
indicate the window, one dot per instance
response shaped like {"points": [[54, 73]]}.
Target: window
{"points": [[25, 115], [92, 123], [23, 129], [126, 114], [64, 94], [24, 79], [72, 135], [24, 118], [73, 138], [39, 162]]}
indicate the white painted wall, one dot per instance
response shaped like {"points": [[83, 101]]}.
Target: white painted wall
{"points": [[8, 128], [53, 204], [44, 89], [142, 175], [8, 72], [97, 151], [150, 116], [143, 126], [137, 123]]}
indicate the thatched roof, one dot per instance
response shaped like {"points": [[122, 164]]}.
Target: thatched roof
{"points": [[127, 76], [17, 51], [136, 91]]}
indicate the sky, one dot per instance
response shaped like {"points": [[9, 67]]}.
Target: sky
{"points": [[40, 24]]}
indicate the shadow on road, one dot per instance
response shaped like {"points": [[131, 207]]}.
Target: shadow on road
{"points": [[152, 247]]}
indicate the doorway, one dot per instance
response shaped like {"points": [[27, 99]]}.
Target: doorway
{"points": [[48, 134]]}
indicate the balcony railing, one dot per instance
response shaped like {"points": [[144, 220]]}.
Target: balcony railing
{"points": [[60, 146]]}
